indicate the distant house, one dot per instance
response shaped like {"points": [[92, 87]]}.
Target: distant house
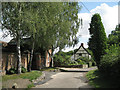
{"points": [[8, 58], [81, 52]]}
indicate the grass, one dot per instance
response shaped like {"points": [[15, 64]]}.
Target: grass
{"points": [[28, 75], [30, 85], [101, 80]]}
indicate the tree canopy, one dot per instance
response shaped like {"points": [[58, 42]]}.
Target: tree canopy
{"points": [[113, 38], [47, 25], [98, 40], [12, 21]]}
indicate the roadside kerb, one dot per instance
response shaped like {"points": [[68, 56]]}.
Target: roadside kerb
{"points": [[42, 77]]}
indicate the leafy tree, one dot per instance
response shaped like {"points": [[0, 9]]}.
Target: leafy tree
{"points": [[62, 25], [98, 40], [113, 38], [119, 40], [67, 27], [42, 20], [48, 25], [31, 18], [13, 23], [110, 63]]}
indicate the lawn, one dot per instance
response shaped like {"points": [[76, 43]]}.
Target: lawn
{"points": [[11, 79], [100, 80], [28, 75]]}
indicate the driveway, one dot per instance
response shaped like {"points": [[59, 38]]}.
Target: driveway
{"points": [[73, 78]]}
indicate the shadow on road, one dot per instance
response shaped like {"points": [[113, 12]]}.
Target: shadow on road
{"points": [[62, 70]]}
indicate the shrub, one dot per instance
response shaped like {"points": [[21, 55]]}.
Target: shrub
{"points": [[12, 71], [110, 63], [80, 62], [23, 70], [62, 58], [84, 59], [73, 63]]}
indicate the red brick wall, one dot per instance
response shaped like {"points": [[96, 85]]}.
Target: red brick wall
{"points": [[42, 61], [9, 60], [39, 61]]}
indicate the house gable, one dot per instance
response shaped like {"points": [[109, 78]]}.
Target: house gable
{"points": [[81, 52]]}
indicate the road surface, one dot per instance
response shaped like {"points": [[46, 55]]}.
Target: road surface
{"points": [[73, 78]]}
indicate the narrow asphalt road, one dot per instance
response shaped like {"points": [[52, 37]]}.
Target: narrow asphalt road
{"points": [[73, 78]]}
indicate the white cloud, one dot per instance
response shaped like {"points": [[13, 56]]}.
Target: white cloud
{"points": [[109, 16]]}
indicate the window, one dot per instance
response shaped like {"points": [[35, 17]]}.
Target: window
{"points": [[80, 54]]}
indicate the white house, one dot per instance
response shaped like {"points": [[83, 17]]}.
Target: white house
{"points": [[81, 52]]}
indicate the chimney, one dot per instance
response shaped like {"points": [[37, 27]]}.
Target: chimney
{"points": [[82, 44]]}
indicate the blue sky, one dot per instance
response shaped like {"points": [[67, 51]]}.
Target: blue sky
{"points": [[92, 5]]}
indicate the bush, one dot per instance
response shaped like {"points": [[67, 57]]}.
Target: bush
{"points": [[62, 58], [80, 62], [110, 63], [12, 71], [23, 70], [84, 59], [73, 63], [100, 80]]}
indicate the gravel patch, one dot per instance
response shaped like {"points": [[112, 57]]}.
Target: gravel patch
{"points": [[21, 83]]}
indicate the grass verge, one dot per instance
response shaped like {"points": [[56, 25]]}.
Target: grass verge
{"points": [[101, 80], [30, 85], [28, 75]]}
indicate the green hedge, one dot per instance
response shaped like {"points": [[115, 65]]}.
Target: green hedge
{"points": [[110, 63]]}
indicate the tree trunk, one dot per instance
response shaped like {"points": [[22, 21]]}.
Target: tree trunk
{"points": [[74, 55], [51, 55], [18, 47], [18, 55], [52, 59], [51, 63], [98, 64], [31, 57], [6, 67]]}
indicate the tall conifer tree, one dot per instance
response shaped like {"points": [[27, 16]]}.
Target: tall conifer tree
{"points": [[98, 40]]}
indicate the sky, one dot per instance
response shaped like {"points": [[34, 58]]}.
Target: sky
{"points": [[109, 15]]}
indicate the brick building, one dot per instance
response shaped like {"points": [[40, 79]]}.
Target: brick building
{"points": [[8, 57]]}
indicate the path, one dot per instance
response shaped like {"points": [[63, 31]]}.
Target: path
{"points": [[73, 78]]}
